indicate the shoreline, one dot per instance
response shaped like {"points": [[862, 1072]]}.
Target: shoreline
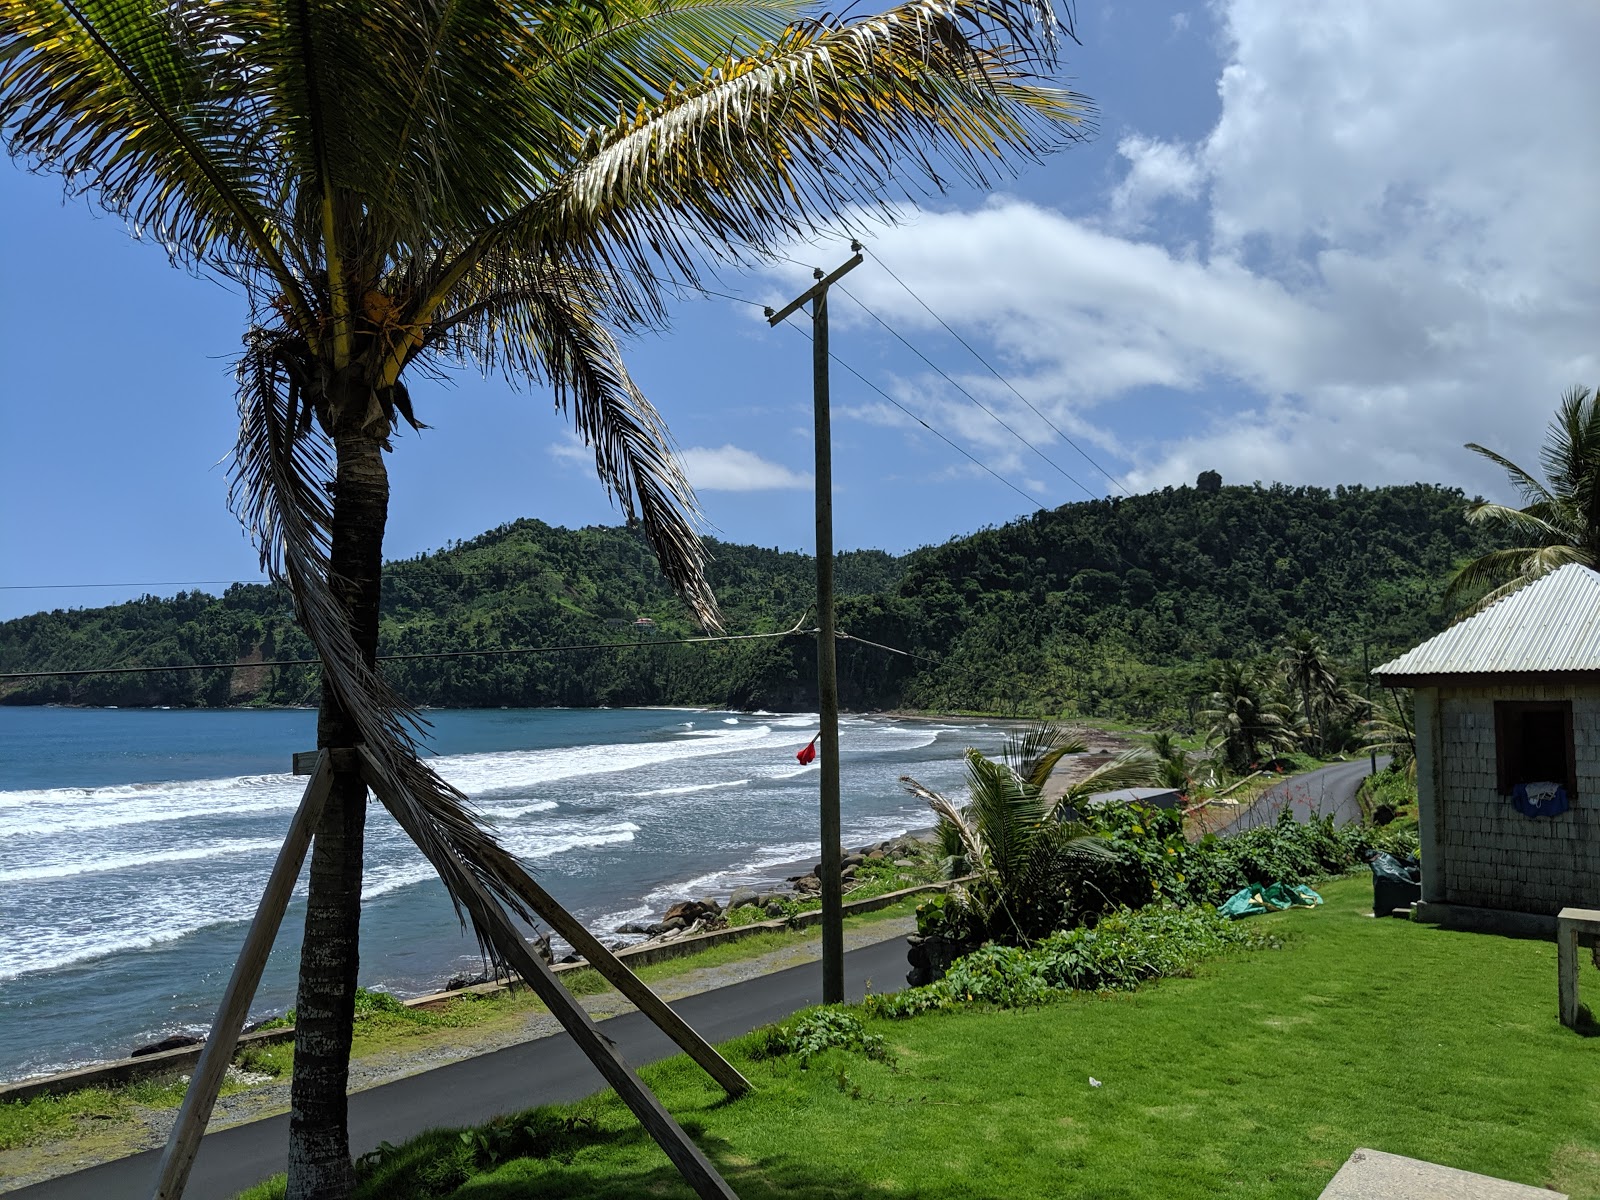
{"points": [[750, 856]]}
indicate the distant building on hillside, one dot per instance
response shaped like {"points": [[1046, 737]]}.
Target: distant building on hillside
{"points": [[1508, 757]]}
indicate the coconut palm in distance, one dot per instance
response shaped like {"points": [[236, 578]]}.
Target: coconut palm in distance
{"points": [[399, 186], [1559, 522], [1242, 718], [1308, 670]]}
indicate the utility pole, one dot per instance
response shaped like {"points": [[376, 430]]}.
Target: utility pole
{"points": [[827, 664]]}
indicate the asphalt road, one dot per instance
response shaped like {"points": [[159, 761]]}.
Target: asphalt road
{"points": [[550, 1070], [1320, 792]]}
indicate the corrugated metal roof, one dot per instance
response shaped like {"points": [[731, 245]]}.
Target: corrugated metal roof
{"points": [[1552, 624]]}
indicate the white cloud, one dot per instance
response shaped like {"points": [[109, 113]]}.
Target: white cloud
{"points": [[1398, 252], [731, 469], [569, 448], [1156, 170]]}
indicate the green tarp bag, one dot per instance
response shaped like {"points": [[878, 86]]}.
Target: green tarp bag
{"points": [[1276, 897]]}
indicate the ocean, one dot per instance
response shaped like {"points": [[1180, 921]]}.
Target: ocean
{"points": [[134, 844]]}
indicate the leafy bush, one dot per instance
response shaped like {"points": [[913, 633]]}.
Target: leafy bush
{"points": [[440, 1162], [822, 1029], [1127, 948], [1000, 975], [1123, 950]]}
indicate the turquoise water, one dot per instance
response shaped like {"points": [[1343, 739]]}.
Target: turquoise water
{"points": [[134, 843]]}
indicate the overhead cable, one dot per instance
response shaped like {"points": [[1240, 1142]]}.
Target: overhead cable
{"points": [[998, 419], [878, 258]]}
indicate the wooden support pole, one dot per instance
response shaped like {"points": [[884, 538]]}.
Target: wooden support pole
{"points": [[621, 977], [183, 1143], [690, 1160]]}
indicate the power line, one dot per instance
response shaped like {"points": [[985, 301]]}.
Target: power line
{"points": [[498, 652], [41, 587], [998, 419], [1033, 501], [972, 351], [420, 656]]}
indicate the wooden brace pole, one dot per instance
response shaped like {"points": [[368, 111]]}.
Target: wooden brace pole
{"points": [[691, 1162], [621, 977], [201, 1095]]}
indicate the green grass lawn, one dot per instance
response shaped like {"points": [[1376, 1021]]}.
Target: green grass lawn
{"points": [[1257, 1078]]}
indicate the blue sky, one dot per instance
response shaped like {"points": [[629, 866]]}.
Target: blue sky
{"points": [[1312, 245]]}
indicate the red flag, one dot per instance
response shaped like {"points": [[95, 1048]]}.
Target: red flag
{"points": [[809, 754]]}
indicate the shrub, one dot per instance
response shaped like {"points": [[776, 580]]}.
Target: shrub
{"points": [[1000, 975], [822, 1029], [1127, 948], [1123, 950]]}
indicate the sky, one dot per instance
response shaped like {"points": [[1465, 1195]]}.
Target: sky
{"points": [[1308, 243]]}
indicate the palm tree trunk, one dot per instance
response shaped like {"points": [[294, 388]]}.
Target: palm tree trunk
{"points": [[319, 1142]]}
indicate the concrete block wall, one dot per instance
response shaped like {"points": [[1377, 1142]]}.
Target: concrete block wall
{"points": [[1492, 855]]}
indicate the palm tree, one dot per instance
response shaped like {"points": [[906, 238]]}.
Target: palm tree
{"points": [[1559, 521], [1243, 718], [1308, 669], [1013, 838], [400, 187]]}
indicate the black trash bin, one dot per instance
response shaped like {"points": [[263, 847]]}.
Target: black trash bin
{"points": [[1396, 883]]}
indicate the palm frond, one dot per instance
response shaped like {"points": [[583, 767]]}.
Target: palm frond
{"points": [[123, 101], [771, 143], [1034, 752], [1493, 576], [553, 332], [280, 478], [953, 825], [1539, 521], [1529, 488]]}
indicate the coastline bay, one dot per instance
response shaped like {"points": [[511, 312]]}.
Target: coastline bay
{"points": [[133, 843]]}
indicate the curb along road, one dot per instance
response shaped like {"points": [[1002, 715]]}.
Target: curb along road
{"points": [[548, 1070]]}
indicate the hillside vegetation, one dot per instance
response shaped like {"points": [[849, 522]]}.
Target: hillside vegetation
{"points": [[1111, 607]]}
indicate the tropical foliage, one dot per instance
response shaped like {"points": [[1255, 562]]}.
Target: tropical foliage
{"points": [[1559, 521], [1022, 847], [400, 188], [1026, 619], [1244, 721]]}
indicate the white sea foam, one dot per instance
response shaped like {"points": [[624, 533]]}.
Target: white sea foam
{"points": [[124, 862], [477, 774], [158, 917], [518, 810], [391, 877], [686, 789], [73, 810]]}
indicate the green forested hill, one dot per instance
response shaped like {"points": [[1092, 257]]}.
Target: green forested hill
{"points": [[1103, 607]]}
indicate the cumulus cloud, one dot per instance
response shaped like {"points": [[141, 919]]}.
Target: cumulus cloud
{"points": [[1156, 170], [732, 469], [1390, 248]]}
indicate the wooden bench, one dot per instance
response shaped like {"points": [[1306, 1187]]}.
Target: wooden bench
{"points": [[1574, 927]]}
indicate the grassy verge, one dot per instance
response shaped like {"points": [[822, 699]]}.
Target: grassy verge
{"points": [[383, 1026], [1254, 1078], [873, 878]]}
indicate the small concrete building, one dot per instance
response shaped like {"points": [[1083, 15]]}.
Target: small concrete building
{"points": [[1508, 757]]}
